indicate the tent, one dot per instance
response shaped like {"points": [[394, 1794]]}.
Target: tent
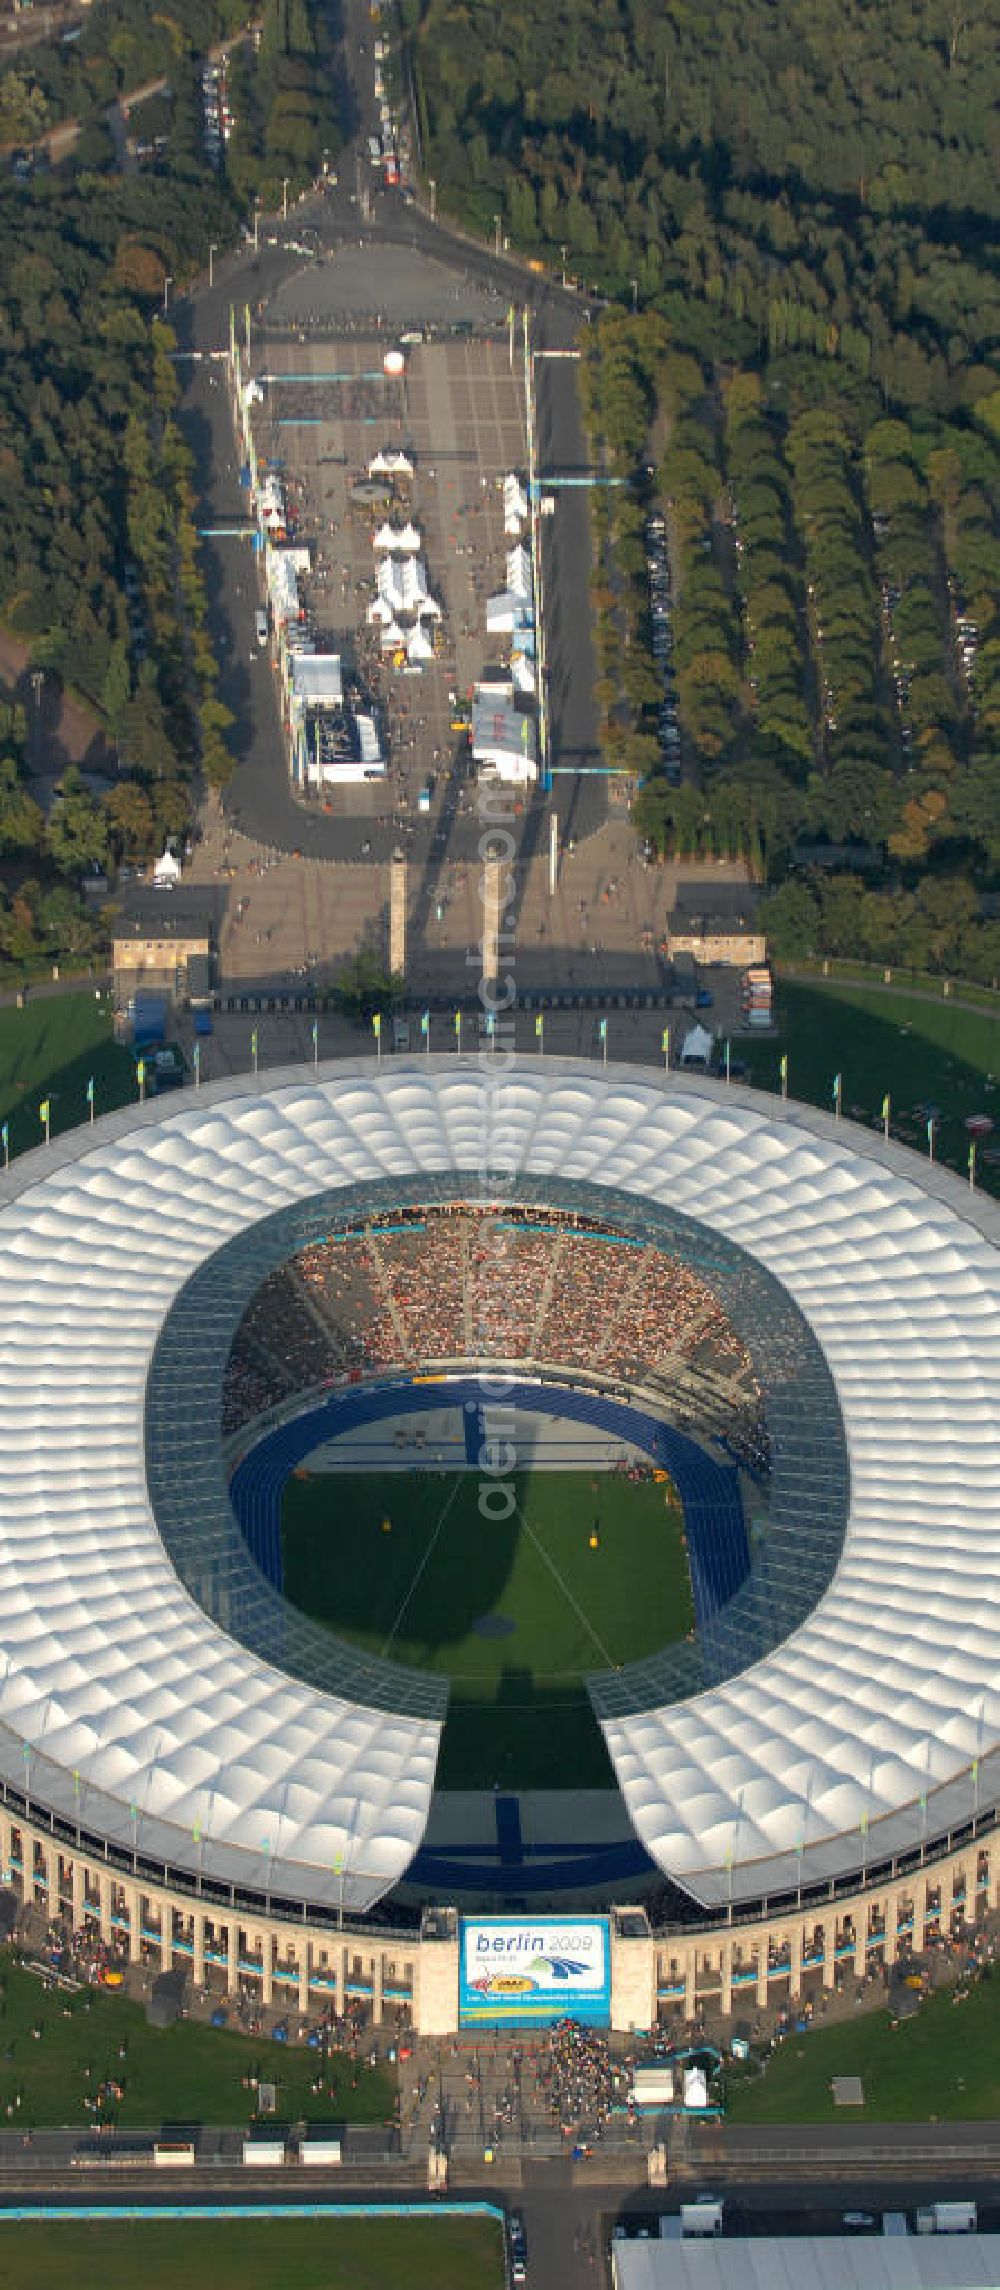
{"points": [[519, 571], [390, 464], [696, 1049], [396, 540]]}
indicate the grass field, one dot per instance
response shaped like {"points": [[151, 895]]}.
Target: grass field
{"points": [[943, 2064], [189, 2073], [52, 1047], [426, 2253], [922, 1052], [559, 1608]]}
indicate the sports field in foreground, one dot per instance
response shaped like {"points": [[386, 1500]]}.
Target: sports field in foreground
{"points": [[425, 2253], [514, 1612]]}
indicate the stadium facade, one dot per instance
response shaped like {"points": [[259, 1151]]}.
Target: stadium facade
{"points": [[183, 1761]]}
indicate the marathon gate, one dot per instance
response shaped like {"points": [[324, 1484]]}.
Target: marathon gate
{"points": [[513, 1970]]}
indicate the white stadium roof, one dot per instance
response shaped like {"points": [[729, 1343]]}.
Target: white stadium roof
{"points": [[122, 1704]]}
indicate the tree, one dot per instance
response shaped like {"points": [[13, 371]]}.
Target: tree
{"points": [[76, 834]]}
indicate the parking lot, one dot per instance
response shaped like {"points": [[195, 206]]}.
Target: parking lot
{"points": [[457, 413], [660, 600]]}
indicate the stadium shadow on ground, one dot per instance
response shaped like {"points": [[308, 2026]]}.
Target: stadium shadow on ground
{"points": [[530, 1736], [515, 1612]]}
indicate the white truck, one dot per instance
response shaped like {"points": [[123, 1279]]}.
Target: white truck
{"points": [[948, 2218]]}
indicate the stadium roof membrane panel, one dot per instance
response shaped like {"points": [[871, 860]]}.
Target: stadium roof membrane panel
{"points": [[123, 1704]]}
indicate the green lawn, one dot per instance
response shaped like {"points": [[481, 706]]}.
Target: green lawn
{"points": [[52, 1047], [921, 1052], [519, 1713], [425, 2253], [944, 2063], [189, 2073]]}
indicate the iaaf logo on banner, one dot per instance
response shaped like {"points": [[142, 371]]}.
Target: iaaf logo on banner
{"points": [[510, 1960]]}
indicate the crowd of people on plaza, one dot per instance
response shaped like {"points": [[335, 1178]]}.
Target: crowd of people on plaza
{"points": [[459, 1284], [575, 2078]]}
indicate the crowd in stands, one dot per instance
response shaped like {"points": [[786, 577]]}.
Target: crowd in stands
{"points": [[461, 1285]]}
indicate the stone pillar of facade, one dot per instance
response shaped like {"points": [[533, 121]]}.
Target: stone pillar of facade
{"points": [[890, 1950], [633, 1981], [726, 1975], [762, 1971], [303, 1974], [266, 1968], [690, 1983], [104, 1898], [829, 1951], [377, 1984], [133, 1904], [918, 1927], [795, 1963], [232, 1932], [79, 1893], [166, 1936], [860, 1938], [198, 1948], [435, 1987]]}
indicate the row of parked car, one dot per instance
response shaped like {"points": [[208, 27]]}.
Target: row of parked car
{"points": [[218, 115], [660, 603]]}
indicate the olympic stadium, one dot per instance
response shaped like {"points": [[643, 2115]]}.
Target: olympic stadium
{"points": [[789, 1322]]}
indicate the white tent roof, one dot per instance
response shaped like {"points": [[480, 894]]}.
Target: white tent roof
{"points": [[501, 613], [390, 463], [398, 540], [519, 571], [317, 681], [873, 1710], [697, 1045], [419, 645]]}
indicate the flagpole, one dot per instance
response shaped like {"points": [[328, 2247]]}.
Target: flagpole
{"points": [[972, 1166], [930, 1139], [886, 1116], [425, 1028], [5, 1142], [665, 1046], [728, 1053], [377, 1031], [315, 1041], [253, 1048], [197, 1065]]}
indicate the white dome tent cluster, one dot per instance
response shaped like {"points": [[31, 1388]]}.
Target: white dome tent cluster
{"points": [[865, 1732]]}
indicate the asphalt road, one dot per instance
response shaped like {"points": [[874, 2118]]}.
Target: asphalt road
{"points": [[359, 208]]}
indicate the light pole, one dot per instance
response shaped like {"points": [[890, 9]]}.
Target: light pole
{"points": [[433, 189], [256, 226], [496, 236], [167, 284], [284, 199], [634, 284], [212, 252], [37, 685], [562, 251]]}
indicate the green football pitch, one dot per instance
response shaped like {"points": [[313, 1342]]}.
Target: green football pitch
{"points": [[425, 2252], [590, 1571]]}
